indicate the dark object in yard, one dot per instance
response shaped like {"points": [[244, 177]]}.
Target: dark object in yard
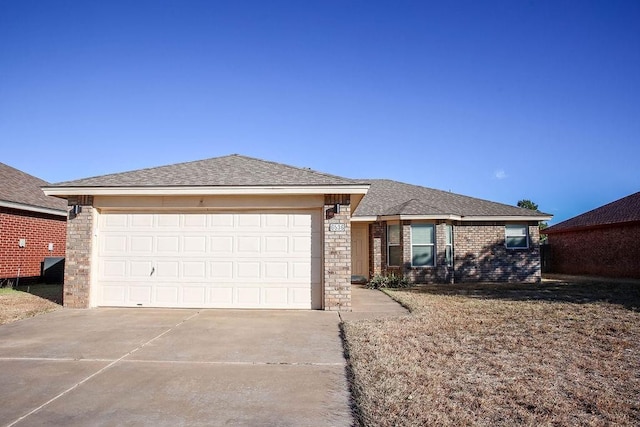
{"points": [[53, 270]]}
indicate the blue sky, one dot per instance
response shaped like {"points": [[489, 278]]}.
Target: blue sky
{"points": [[502, 100]]}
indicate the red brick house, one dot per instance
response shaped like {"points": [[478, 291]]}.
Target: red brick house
{"points": [[32, 226], [601, 242]]}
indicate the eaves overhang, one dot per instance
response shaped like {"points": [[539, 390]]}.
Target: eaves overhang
{"points": [[30, 208], [204, 190], [451, 217]]}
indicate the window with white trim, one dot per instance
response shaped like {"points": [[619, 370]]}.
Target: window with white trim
{"points": [[516, 236], [448, 248], [422, 245], [393, 245]]}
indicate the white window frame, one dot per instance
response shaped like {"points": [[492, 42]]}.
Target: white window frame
{"points": [[389, 245], [513, 227], [448, 246], [432, 245]]}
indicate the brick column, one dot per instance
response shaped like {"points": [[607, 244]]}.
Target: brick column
{"points": [[77, 271], [377, 248], [337, 253], [405, 244]]}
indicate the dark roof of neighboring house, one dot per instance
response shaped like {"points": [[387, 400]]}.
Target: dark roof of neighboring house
{"points": [[386, 198], [620, 211], [233, 170], [20, 188]]}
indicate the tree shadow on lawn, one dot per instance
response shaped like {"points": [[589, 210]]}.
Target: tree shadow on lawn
{"points": [[577, 290], [52, 293]]}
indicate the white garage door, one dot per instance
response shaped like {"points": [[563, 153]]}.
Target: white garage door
{"points": [[231, 260]]}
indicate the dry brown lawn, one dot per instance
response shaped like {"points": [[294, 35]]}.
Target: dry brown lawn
{"points": [[16, 305], [553, 354]]}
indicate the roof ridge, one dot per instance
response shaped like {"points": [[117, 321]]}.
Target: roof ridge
{"points": [[181, 164], [288, 166], [458, 195]]}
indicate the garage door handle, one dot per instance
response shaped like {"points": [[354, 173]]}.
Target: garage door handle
{"points": [[152, 270]]}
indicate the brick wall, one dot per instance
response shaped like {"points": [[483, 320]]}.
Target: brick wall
{"points": [[480, 255], [39, 230], [77, 272], [377, 248], [611, 252], [337, 254]]}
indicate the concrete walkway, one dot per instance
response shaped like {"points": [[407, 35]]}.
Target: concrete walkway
{"points": [[172, 367], [371, 304]]}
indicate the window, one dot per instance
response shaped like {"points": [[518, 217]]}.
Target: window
{"points": [[517, 236], [422, 245], [448, 249], [393, 245]]}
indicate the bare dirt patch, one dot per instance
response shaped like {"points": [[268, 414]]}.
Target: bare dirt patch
{"points": [[501, 355], [16, 305]]}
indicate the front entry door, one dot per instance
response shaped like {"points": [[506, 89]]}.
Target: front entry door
{"points": [[360, 251]]}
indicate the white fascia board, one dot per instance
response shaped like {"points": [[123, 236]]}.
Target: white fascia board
{"points": [[204, 191], [420, 217], [507, 218], [364, 218], [30, 208], [452, 217]]}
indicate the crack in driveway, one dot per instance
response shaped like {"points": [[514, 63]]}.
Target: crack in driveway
{"points": [[99, 371]]}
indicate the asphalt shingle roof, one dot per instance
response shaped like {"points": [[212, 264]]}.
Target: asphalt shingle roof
{"points": [[622, 210], [20, 187], [233, 170], [387, 197]]}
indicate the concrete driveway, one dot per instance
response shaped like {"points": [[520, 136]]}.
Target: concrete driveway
{"points": [[173, 367]]}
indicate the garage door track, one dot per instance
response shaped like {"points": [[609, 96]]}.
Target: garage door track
{"points": [[174, 368]]}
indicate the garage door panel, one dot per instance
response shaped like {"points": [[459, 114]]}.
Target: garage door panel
{"points": [[276, 296], [194, 295], [195, 244], [221, 221], [114, 295], [248, 270], [221, 296], [115, 221], [140, 269], [248, 221], [276, 245], [221, 269], [114, 244], [195, 269], [165, 269], [167, 295], [276, 270], [222, 244], [249, 244], [248, 297], [300, 296], [141, 220], [264, 260], [140, 294], [168, 244], [116, 269], [168, 221], [194, 220]]}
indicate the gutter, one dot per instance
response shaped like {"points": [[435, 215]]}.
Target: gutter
{"points": [[30, 208]]}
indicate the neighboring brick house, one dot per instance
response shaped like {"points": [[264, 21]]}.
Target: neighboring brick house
{"points": [[32, 226], [602, 242], [241, 232]]}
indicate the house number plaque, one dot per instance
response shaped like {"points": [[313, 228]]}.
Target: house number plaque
{"points": [[337, 227]]}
